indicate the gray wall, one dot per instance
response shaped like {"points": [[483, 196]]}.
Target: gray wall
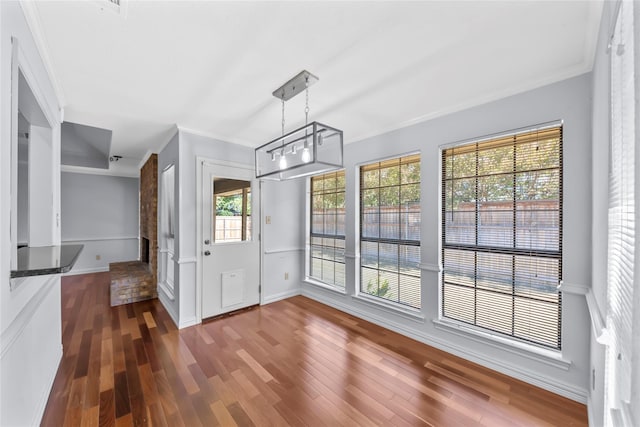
{"points": [[190, 147], [282, 243], [100, 212], [570, 101], [283, 239]]}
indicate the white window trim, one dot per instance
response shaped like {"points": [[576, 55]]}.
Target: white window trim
{"points": [[477, 333], [389, 306], [315, 282], [308, 278], [621, 369], [358, 294], [539, 354]]}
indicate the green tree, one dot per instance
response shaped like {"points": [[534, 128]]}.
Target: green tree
{"points": [[379, 291], [532, 167], [229, 205]]}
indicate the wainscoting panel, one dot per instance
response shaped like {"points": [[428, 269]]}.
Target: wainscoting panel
{"points": [[107, 249], [30, 354]]}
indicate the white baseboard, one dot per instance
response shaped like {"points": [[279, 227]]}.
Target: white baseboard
{"points": [[166, 303], [531, 377], [279, 296], [187, 322], [74, 272]]}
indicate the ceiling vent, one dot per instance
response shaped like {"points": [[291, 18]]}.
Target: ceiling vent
{"points": [[117, 6]]}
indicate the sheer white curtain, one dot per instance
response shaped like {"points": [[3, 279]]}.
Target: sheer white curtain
{"points": [[622, 361]]}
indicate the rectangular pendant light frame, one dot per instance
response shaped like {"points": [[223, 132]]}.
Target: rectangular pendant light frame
{"points": [[324, 150]]}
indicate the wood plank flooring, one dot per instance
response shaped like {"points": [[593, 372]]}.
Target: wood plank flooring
{"points": [[294, 362]]}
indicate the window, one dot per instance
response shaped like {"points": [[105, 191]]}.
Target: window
{"points": [[502, 234], [327, 229], [622, 367], [168, 198], [167, 230], [390, 230], [232, 214]]}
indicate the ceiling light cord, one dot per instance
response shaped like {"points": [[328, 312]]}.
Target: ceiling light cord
{"points": [[306, 108], [283, 114], [306, 155]]}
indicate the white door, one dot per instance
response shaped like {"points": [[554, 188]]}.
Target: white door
{"points": [[231, 247]]}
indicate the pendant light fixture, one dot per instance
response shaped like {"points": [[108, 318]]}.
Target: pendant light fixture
{"points": [[312, 149]]}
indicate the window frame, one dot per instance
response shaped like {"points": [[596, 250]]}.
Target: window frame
{"points": [[621, 355], [472, 329], [246, 228], [309, 277], [412, 311]]}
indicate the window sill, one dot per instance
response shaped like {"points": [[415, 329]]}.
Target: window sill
{"points": [[549, 357], [391, 307], [323, 285]]}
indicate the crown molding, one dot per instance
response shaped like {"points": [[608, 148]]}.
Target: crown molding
{"points": [[204, 134], [30, 10]]}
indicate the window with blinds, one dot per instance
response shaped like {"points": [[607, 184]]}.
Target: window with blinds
{"points": [[390, 230], [502, 235], [327, 229], [622, 215]]}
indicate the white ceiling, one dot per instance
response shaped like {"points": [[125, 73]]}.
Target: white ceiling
{"points": [[211, 66]]}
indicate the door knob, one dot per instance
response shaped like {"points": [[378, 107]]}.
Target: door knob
{"points": [[206, 242], [207, 253]]}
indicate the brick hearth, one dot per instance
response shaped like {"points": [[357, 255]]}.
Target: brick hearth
{"points": [[131, 281]]}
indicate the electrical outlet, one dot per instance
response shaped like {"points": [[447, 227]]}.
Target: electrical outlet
{"points": [[98, 257], [286, 276]]}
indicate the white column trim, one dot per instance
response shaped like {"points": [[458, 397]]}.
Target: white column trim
{"points": [[281, 250], [430, 267], [598, 323], [573, 288]]}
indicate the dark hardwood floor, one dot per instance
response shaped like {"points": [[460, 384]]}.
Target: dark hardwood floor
{"points": [[294, 362]]}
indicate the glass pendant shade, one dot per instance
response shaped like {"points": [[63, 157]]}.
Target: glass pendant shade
{"points": [[309, 150]]}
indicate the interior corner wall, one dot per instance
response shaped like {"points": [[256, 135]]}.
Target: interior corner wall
{"points": [[30, 314], [569, 101], [285, 242], [601, 114], [191, 146], [169, 155], [282, 238], [101, 213]]}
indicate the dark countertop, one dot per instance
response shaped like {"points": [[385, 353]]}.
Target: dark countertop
{"points": [[46, 260]]}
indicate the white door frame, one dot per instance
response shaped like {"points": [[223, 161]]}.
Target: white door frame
{"points": [[200, 196]]}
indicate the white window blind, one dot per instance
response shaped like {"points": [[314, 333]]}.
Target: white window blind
{"points": [[502, 234], [622, 213], [390, 230], [327, 229]]}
